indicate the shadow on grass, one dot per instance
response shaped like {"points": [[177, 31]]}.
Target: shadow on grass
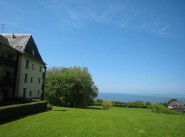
{"points": [[92, 107], [60, 110], [19, 117]]}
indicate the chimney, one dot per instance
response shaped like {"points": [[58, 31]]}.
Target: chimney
{"points": [[13, 36]]}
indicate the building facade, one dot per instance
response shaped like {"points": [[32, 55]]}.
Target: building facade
{"points": [[27, 69], [8, 67]]}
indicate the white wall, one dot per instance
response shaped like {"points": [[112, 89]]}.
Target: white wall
{"points": [[34, 73]]}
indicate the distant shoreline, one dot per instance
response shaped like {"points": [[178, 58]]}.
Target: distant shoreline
{"points": [[132, 97]]}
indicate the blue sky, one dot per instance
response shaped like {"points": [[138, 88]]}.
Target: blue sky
{"points": [[128, 46]]}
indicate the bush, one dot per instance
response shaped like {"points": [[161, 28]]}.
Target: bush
{"points": [[137, 104], [98, 102], [49, 107], [159, 108], [106, 104], [13, 111]]}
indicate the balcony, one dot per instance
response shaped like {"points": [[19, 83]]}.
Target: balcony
{"points": [[6, 83], [7, 62]]}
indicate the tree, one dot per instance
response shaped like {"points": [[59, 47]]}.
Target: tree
{"points": [[70, 86]]}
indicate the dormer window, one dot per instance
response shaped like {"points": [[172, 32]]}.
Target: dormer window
{"points": [[18, 47], [33, 52]]}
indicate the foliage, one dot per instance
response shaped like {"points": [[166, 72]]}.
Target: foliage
{"points": [[159, 108], [137, 104], [117, 122], [49, 107], [70, 86], [98, 102], [13, 111], [106, 104]]}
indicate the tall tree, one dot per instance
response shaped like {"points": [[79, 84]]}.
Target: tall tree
{"points": [[72, 86]]}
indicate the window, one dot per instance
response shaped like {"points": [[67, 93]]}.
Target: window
{"points": [[24, 92], [32, 66], [38, 92], [39, 80], [18, 47], [25, 78], [40, 68], [31, 80], [33, 52], [27, 63], [30, 93]]}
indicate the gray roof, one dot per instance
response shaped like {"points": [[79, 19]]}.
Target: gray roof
{"points": [[18, 40], [23, 43], [176, 104], [4, 41]]}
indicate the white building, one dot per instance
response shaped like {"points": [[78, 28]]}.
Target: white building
{"points": [[29, 70]]}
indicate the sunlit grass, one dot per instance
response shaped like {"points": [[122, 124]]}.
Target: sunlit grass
{"points": [[115, 122]]}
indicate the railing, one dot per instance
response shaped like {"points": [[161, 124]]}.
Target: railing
{"points": [[7, 62]]}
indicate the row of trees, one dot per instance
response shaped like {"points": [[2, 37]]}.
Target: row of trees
{"points": [[72, 86]]}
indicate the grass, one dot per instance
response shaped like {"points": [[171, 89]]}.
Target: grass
{"points": [[115, 122]]}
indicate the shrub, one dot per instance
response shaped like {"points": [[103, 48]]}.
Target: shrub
{"points": [[49, 107], [13, 111], [159, 108], [137, 104], [106, 104], [98, 102]]}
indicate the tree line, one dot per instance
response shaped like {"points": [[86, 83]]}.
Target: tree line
{"points": [[71, 86]]}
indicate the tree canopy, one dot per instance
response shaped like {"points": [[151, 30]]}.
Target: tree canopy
{"points": [[71, 86]]}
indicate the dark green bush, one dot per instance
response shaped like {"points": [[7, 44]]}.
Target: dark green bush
{"points": [[137, 104], [13, 111], [159, 108], [98, 102]]}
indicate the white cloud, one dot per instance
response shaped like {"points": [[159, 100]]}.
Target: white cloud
{"points": [[73, 12], [52, 5], [124, 24], [76, 14], [165, 28], [129, 19], [91, 14]]}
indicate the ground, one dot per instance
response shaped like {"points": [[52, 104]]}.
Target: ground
{"points": [[115, 122]]}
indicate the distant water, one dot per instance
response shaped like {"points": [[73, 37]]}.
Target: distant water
{"points": [[132, 97]]}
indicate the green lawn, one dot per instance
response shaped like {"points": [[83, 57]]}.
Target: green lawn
{"points": [[116, 122]]}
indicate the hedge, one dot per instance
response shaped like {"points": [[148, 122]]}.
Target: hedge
{"points": [[159, 108], [14, 111], [137, 104]]}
